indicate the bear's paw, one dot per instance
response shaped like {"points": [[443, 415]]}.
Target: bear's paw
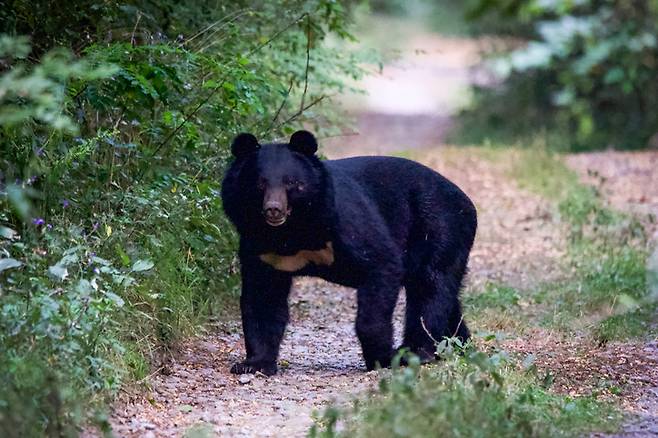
{"points": [[247, 367]]}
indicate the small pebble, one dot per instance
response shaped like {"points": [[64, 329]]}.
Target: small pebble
{"points": [[245, 378], [148, 426]]}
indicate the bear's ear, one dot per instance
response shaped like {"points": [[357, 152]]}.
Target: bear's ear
{"points": [[304, 142], [244, 144]]}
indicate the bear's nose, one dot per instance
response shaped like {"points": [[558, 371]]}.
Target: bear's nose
{"points": [[273, 209]]}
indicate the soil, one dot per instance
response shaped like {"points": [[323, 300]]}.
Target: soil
{"points": [[628, 180], [320, 363], [519, 243]]}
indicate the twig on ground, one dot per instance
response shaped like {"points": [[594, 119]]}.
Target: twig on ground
{"points": [[458, 325], [144, 379], [422, 323]]}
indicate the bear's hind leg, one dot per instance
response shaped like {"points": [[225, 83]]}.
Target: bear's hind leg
{"points": [[433, 312]]}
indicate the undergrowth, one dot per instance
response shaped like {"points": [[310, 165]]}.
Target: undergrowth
{"points": [[469, 394], [115, 122], [496, 308]]}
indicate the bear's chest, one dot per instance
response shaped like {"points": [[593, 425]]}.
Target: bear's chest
{"points": [[301, 259]]}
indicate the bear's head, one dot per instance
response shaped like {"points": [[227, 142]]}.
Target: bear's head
{"points": [[273, 184]]}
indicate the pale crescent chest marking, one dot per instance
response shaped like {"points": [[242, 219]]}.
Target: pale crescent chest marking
{"points": [[295, 262]]}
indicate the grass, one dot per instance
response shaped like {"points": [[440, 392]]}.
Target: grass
{"points": [[496, 308], [606, 287], [635, 323], [494, 295], [473, 394]]}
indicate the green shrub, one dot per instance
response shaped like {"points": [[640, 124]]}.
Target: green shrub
{"points": [[587, 72], [470, 395], [114, 134]]}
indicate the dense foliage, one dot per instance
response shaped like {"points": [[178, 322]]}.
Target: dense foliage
{"points": [[582, 69], [114, 123]]}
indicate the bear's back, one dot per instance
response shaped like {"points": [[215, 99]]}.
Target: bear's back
{"points": [[392, 177], [405, 193]]}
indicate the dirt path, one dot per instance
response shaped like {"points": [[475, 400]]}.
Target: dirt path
{"points": [[409, 105], [629, 181], [519, 243], [321, 362], [320, 352]]}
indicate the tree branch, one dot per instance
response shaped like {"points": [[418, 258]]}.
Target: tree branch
{"points": [[301, 111], [308, 60], [278, 111]]}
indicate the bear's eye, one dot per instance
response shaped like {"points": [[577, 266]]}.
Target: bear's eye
{"points": [[291, 183], [261, 184]]}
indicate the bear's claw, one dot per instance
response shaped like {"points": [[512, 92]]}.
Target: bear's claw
{"points": [[253, 368]]}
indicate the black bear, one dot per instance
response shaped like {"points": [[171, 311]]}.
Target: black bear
{"points": [[371, 223]]}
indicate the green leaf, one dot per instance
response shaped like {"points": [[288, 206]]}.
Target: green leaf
{"points": [[101, 261], [59, 272], [210, 84], [68, 260], [116, 299], [83, 287], [122, 280], [9, 263], [185, 408], [8, 233], [528, 361], [18, 200], [614, 75], [125, 260], [627, 301], [142, 265]]}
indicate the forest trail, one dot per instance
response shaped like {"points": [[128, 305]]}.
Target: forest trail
{"points": [[320, 353], [320, 358]]}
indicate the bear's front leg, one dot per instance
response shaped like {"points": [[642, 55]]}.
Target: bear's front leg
{"points": [[264, 308], [374, 323]]}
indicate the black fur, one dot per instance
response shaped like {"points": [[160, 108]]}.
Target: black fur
{"points": [[392, 223]]}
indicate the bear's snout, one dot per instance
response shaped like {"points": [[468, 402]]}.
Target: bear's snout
{"points": [[275, 207]]}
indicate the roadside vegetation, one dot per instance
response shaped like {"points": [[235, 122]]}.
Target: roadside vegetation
{"points": [[581, 73], [607, 286], [115, 120], [470, 394]]}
